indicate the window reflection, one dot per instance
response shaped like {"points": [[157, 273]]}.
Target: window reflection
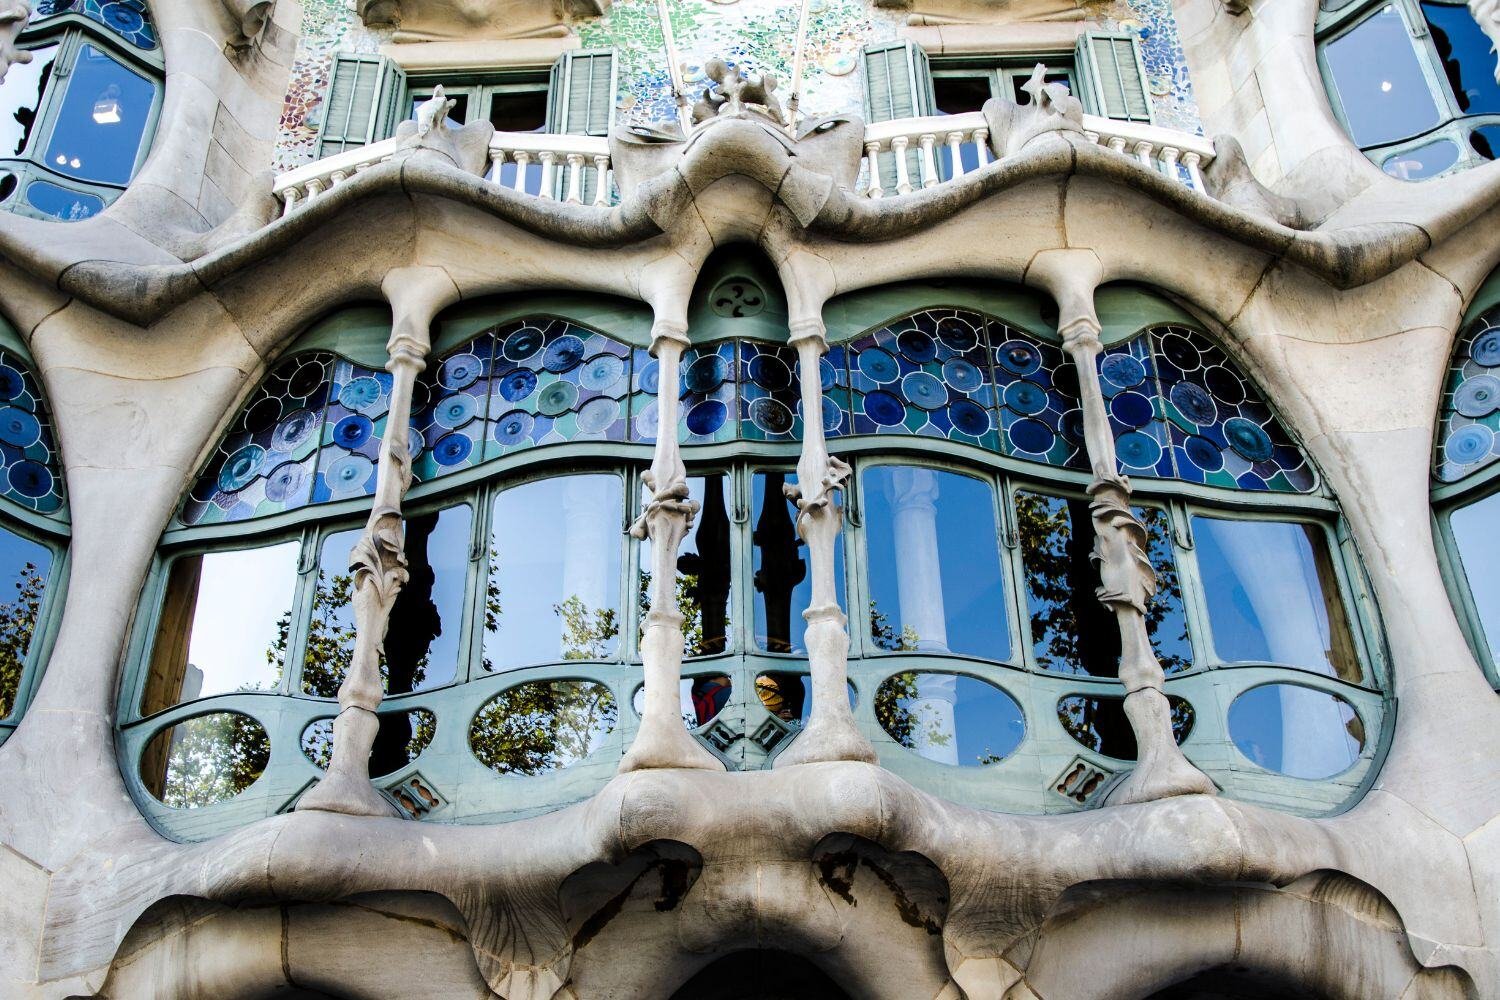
{"points": [[1071, 631], [406, 732], [1273, 595], [934, 561], [97, 132], [1421, 162], [1379, 80], [554, 579], [950, 718], [542, 726], [225, 625], [1296, 730], [21, 98], [700, 699], [1465, 51], [1479, 550], [787, 695], [1100, 723], [422, 640], [783, 582], [25, 565], [703, 570], [204, 760]]}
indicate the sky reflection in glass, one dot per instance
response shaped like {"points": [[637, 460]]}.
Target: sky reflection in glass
{"points": [[950, 719], [783, 574], [1296, 730], [1479, 549], [1379, 80], [98, 130], [934, 562]]}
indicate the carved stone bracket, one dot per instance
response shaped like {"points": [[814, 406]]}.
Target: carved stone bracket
{"points": [[13, 17], [735, 93], [427, 136], [831, 733], [666, 516], [1052, 109], [378, 559]]}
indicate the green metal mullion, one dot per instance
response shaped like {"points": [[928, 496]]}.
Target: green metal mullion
{"points": [[856, 575], [1194, 595], [476, 580], [1013, 557]]}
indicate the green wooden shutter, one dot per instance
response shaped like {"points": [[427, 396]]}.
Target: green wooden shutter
{"points": [[897, 81], [362, 103], [581, 93], [1112, 76]]}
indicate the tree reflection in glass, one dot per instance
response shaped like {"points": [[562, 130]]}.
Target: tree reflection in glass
{"points": [[1101, 725], [542, 726], [26, 564], [934, 562], [418, 727], [783, 586], [555, 557], [703, 571], [1071, 631], [205, 759], [950, 718]]}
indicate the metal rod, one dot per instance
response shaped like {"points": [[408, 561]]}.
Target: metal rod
{"points": [[795, 101], [674, 67]]}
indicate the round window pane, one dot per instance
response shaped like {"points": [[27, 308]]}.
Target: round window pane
{"points": [[542, 726], [699, 699], [206, 759], [950, 718], [400, 740], [1421, 162], [1100, 723], [1296, 730], [787, 695]]}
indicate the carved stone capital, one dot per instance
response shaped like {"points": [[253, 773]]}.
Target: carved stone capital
{"points": [[664, 330], [428, 136], [812, 330], [1126, 578], [1081, 334]]}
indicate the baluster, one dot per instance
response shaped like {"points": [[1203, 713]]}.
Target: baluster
{"points": [[288, 201], [314, 188], [929, 164], [903, 179], [665, 518], [1169, 156], [549, 161], [522, 158], [872, 158], [1192, 160], [601, 170], [955, 155], [336, 178], [1117, 143], [575, 178], [1143, 153], [1092, 137], [1127, 580], [497, 160], [378, 559], [982, 145], [831, 733]]}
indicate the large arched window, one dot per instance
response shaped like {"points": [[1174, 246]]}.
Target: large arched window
{"points": [[1413, 82], [981, 662], [76, 120]]}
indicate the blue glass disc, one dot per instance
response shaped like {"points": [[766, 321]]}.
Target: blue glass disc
{"points": [[31, 479], [1224, 385], [522, 344], [706, 417], [517, 384], [352, 431], [1031, 436], [924, 390], [295, 429], [284, 482], [1123, 370], [1137, 450], [828, 376], [514, 427], [1486, 348], [878, 365], [1181, 352], [1469, 444], [1203, 453], [455, 411], [1194, 403], [12, 382], [452, 449], [240, 468], [1026, 398], [1018, 357], [916, 346], [649, 377], [770, 415], [362, 393], [18, 427], [969, 417], [597, 415], [563, 354], [962, 375], [601, 372], [1071, 427], [1131, 409], [557, 398], [1248, 438], [832, 415], [957, 335], [769, 373], [460, 371], [884, 408], [1477, 397], [706, 374], [349, 473]]}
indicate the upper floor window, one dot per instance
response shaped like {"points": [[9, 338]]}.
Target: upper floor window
{"points": [[76, 121], [1413, 81]]}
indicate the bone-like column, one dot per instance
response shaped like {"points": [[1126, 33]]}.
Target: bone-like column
{"points": [[831, 733], [665, 518], [378, 560], [1126, 579]]}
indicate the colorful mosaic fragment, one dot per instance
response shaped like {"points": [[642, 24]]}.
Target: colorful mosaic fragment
{"points": [[1037, 388], [32, 473], [130, 19], [353, 426], [1469, 427], [1127, 379]]}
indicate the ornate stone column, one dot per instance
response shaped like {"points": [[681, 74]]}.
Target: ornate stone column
{"points": [[1127, 580], [830, 733], [378, 560], [665, 519]]}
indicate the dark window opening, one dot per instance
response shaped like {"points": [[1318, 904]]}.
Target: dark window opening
{"points": [[521, 111]]}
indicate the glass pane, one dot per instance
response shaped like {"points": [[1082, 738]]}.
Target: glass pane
{"points": [[21, 96], [787, 695], [542, 726], [1273, 596], [1486, 141], [1467, 60], [225, 625], [700, 699], [520, 111], [783, 580], [1479, 550], [457, 115], [1070, 630], [102, 120], [1379, 80], [703, 570], [554, 591], [956, 95], [1420, 162], [421, 642], [1019, 80], [1101, 724], [24, 564], [1296, 730], [62, 203], [934, 562], [950, 718], [205, 760], [400, 740]]}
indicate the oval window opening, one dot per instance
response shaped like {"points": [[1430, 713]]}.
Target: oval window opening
{"points": [[1296, 730], [700, 699], [950, 718], [542, 726], [1100, 723], [400, 740], [787, 695], [205, 759]]}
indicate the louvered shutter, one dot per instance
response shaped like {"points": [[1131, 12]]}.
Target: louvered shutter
{"points": [[362, 103], [1114, 77], [897, 84], [581, 101]]}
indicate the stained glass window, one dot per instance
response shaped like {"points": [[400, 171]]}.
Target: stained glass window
{"points": [[32, 473], [130, 19], [1470, 420]]}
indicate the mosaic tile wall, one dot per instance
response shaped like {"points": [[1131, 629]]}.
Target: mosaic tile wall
{"points": [[758, 34]]}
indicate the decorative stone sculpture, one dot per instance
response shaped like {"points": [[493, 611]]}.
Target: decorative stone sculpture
{"points": [[250, 17], [1052, 109], [735, 91], [1487, 13], [428, 136], [13, 17]]}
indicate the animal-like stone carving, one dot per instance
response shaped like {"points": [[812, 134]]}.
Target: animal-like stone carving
{"points": [[736, 90], [429, 135], [13, 17], [1487, 13], [1052, 109]]}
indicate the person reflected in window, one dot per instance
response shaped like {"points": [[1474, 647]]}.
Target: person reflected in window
{"points": [[710, 695], [782, 694]]}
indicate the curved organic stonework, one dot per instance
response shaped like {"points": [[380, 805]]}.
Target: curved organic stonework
{"points": [[13, 17], [658, 864]]}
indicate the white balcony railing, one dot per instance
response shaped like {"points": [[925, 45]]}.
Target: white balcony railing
{"points": [[900, 156]]}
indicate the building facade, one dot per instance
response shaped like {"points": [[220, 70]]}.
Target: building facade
{"points": [[748, 500]]}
